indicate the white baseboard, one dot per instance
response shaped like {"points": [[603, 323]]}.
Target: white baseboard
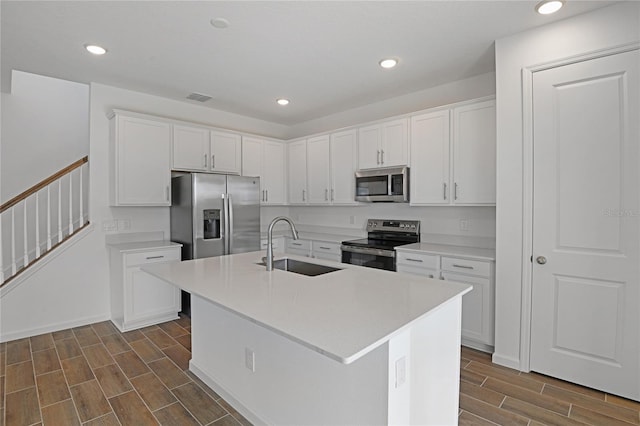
{"points": [[506, 361], [228, 397], [20, 334]]}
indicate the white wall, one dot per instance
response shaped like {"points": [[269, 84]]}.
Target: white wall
{"points": [[45, 127], [604, 28]]}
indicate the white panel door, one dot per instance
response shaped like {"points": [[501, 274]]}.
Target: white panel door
{"points": [[395, 143], [226, 152], [343, 167], [318, 169], [369, 141], [273, 169], [586, 271], [430, 158]]}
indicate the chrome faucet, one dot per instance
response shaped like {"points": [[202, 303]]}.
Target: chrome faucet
{"points": [[294, 231]]}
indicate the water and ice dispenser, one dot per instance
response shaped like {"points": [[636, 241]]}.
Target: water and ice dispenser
{"points": [[211, 219]]}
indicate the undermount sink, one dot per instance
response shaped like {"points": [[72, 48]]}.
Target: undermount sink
{"points": [[300, 267]]}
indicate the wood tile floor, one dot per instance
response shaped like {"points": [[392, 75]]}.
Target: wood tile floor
{"points": [[491, 394], [95, 375]]}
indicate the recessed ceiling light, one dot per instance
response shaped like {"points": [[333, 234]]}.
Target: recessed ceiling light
{"points": [[388, 63], [95, 49], [220, 23], [548, 7], [283, 101]]}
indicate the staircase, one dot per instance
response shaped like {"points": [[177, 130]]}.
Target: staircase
{"points": [[41, 219]]}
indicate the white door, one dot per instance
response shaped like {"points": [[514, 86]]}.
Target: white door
{"points": [[190, 148], [297, 158], [226, 152], [586, 264], [273, 170], [369, 141], [430, 158], [343, 167], [395, 144]]}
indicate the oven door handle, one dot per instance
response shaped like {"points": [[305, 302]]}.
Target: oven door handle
{"points": [[367, 250]]}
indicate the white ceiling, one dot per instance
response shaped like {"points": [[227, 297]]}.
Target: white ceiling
{"points": [[322, 55]]}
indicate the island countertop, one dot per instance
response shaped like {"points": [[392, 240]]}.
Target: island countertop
{"points": [[343, 314]]}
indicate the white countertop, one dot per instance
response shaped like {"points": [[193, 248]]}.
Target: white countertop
{"points": [[343, 314], [447, 250], [136, 246]]}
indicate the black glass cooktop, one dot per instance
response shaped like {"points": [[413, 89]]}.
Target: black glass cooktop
{"points": [[375, 243]]}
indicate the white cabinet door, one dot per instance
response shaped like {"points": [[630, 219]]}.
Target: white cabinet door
{"points": [[141, 162], [394, 147], [474, 153], [430, 158], [226, 152], [369, 141], [318, 169], [190, 148], [149, 296], [477, 308], [297, 159], [265, 159], [273, 173], [343, 167]]}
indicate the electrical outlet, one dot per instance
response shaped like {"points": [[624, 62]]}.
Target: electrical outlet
{"points": [[124, 225], [250, 359], [401, 371], [464, 225], [109, 225]]}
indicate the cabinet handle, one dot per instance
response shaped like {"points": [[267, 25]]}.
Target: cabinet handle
{"points": [[154, 257], [382, 156], [326, 194], [266, 195], [205, 161], [304, 195], [324, 248], [462, 266], [444, 190], [455, 191], [213, 161], [414, 260], [262, 196], [296, 244]]}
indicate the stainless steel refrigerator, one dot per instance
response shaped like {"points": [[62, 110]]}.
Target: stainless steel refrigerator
{"points": [[214, 215]]}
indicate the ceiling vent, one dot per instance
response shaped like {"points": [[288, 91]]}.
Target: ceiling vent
{"points": [[198, 97]]}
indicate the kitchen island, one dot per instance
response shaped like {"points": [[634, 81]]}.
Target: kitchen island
{"points": [[354, 346]]}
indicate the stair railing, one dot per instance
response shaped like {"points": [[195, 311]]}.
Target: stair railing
{"points": [[63, 197]]}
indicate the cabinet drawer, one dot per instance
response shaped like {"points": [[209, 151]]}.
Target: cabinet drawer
{"points": [[420, 260], [275, 243], [466, 266], [298, 244], [166, 255], [324, 247]]}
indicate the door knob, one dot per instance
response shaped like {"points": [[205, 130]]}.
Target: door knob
{"points": [[541, 260]]}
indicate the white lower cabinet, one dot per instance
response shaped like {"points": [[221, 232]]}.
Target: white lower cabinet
{"points": [[278, 244], [477, 305], [138, 299], [298, 247], [326, 250]]}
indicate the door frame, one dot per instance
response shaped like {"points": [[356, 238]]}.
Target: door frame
{"points": [[527, 186]]}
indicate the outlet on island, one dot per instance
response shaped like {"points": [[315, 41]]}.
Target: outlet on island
{"points": [[250, 359]]}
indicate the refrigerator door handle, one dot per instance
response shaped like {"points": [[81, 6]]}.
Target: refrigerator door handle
{"points": [[230, 224], [225, 215]]}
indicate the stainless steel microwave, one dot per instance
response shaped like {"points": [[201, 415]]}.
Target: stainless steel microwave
{"points": [[388, 185]]}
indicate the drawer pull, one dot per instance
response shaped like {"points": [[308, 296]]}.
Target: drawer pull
{"points": [[414, 260], [325, 248], [154, 257], [296, 244], [462, 266]]}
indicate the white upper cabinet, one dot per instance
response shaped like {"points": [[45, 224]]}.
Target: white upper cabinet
{"points": [[297, 159], [474, 153], [429, 182], [190, 148], [205, 150], [383, 145], [453, 156], [265, 159], [140, 161], [319, 169], [343, 167], [226, 152]]}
